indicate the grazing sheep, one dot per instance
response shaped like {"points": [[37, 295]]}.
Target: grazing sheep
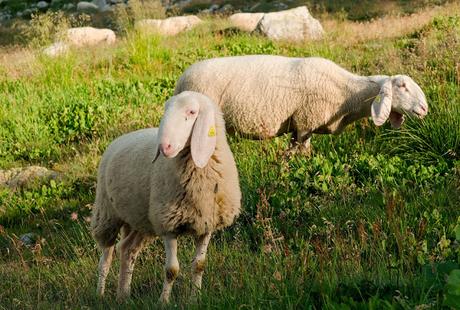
{"points": [[192, 188], [264, 96]]}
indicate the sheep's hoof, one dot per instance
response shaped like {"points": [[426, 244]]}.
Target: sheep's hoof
{"points": [[194, 295], [100, 293], [298, 149], [163, 299], [122, 297]]}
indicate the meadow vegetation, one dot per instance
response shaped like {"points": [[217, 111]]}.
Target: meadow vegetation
{"points": [[370, 220]]}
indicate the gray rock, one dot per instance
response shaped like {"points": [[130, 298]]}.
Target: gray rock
{"points": [[116, 1], [88, 7], [42, 5], [226, 8], [281, 6], [24, 177], [68, 6], [29, 239], [291, 25], [27, 12], [5, 17], [213, 7]]}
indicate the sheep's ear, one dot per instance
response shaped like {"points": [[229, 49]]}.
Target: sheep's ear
{"points": [[381, 107], [204, 133]]}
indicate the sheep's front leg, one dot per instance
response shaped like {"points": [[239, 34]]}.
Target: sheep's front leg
{"points": [[104, 267], [171, 267], [199, 261], [130, 247]]}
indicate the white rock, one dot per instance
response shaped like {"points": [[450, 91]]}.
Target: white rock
{"points": [[80, 37], [170, 26], [42, 5], [292, 25], [246, 21], [89, 36], [56, 49], [87, 6]]}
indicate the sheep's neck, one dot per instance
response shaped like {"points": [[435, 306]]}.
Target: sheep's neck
{"points": [[190, 174], [361, 93]]}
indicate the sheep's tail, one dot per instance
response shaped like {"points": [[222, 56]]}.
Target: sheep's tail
{"points": [[104, 225]]}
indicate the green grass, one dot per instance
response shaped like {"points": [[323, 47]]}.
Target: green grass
{"points": [[370, 220]]}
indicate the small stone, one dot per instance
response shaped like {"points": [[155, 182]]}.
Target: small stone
{"points": [[5, 17], [214, 7], [29, 239], [27, 12], [42, 5], [281, 6], [226, 8]]}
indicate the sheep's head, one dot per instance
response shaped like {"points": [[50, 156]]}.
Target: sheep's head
{"points": [[398, 95], [189, 119]]}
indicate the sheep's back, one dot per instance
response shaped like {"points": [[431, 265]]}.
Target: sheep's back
{"points": [[257, 93]]}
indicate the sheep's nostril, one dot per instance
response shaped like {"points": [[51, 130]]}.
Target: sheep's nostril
{"points": [[166, 148]]}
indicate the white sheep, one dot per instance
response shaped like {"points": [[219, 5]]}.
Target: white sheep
{"points": [[264, 96], [192, 188]]}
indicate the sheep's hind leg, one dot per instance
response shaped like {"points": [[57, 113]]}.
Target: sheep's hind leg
{"points": [[104, 266], [198, 263], [171, 267], [130, 247]]}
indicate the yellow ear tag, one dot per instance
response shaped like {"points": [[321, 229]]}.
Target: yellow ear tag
{"points": [[377, 99], [212, 131]]}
